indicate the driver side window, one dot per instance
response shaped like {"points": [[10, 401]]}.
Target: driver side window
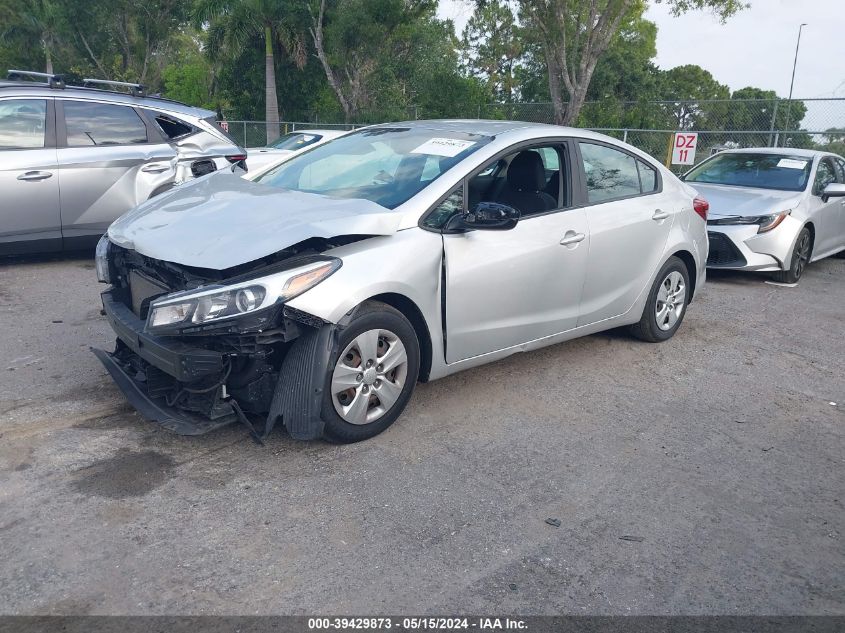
{"points": [[528, 180]]}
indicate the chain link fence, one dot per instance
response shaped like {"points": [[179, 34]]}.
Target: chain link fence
{"points": [[650, 126]]}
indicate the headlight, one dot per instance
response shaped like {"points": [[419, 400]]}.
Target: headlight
{"points": [[101, 260], [214, 303], [764, 222]]}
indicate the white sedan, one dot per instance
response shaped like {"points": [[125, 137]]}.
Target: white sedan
{"points": [[287, 145], [317, 294], [772, 209]]}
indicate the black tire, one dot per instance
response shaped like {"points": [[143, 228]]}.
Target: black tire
{"points": [[801, 253], [369, 316], [648, 328]]}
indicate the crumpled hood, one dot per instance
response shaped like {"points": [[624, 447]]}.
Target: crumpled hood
{"points": [[222, 220], [745, 201]]}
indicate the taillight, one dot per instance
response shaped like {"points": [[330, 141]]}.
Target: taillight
{"points": [[701, 207], [238, 160]]}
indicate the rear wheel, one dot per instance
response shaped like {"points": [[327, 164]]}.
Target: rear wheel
{"points": [[666, 304], [800, 258], [374, 371]]}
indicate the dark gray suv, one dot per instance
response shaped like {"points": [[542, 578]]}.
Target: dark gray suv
{"points": [[73, 159]]}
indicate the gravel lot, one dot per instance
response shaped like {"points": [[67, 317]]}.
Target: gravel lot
{"points": [[718, 455]]}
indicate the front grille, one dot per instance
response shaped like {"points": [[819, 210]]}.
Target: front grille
{"points": [[723, 252], [143, 290]]}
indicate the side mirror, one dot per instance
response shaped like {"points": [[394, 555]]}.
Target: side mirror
{"points": [[485, 216], [833, 190]]}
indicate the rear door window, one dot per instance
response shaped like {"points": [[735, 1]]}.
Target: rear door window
{"points": [[610, 173], [23, 123], [93, 124]]}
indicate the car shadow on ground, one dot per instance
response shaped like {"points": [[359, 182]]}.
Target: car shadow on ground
{"points": [[85, 256]]}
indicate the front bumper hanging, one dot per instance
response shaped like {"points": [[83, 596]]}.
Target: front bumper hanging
{"points": [[296, 400], [171, 418]]}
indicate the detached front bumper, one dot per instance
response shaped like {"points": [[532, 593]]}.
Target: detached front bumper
{"points": [[156, 410], [166, 379], [182, 362]]}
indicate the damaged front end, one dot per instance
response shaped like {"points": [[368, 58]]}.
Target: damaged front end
{"points": [[198, 349]]}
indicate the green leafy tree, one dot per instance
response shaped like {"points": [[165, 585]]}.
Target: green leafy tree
{"points": [[188, 77], [493, 47], [685, 88], [41, 21], [574, 34], [123, 39], [833, 141], [757, 109], [358, 44]]}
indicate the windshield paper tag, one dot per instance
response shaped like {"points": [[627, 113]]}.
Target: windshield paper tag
{"points": [[791, 163], [443, 147]]}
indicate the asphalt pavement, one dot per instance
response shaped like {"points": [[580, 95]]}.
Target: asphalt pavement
{"points": [[699, 476]]}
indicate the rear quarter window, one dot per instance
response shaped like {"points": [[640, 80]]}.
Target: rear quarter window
{"points": [[172, 127]]}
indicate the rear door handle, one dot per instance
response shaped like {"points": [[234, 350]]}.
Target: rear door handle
{"points": [[572, 237], [155, 168], [35, 175], [659, 215]]}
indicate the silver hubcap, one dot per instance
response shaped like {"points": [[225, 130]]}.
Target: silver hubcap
{"points": [[671, 298], [369, 376]]}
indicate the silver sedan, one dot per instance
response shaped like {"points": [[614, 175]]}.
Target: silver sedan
{"points": [[772, 209], [316, 295]]}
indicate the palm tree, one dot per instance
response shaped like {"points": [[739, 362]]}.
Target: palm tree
{"points": [[235, 22], [39, 20]]}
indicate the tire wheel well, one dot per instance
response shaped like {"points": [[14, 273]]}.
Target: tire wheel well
{"points": [[411, 312], [809, 226], [689, 262]]}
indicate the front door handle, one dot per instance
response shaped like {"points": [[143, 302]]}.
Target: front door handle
{"points": [[155, 168], [659, 215], [35, 175], [572, 237]]}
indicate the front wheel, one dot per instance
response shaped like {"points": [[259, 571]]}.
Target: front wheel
{"points": [[800, 257], [666, 304], [374, 369]]}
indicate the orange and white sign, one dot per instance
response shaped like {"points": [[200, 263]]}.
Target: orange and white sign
{"points": [[683, 148]]}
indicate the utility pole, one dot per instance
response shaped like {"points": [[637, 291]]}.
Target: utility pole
{"points": [[791, 85]]}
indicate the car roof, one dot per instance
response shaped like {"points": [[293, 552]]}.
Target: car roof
{"points": [[27, 88], [486, 127], [792, 151]]}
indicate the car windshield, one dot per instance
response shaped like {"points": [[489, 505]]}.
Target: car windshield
{"points": [[763, 171], [385, 165], [295, 141]]}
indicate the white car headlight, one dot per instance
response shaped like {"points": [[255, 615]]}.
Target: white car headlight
{"points": [[764, 222], [101, 260], [213, 303]]}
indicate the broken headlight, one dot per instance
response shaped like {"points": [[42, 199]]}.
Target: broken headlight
{"points": [[213, 303], [101, 260]]}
